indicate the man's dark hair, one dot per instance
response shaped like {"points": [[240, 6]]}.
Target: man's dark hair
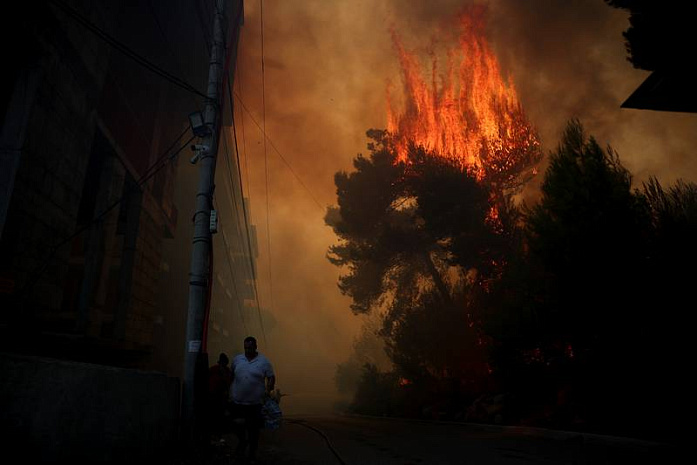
{"points": [[251, 339], [222, 359]]}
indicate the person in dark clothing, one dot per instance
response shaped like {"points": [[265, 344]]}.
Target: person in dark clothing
{"points": [[219, 379], [252, 379]]}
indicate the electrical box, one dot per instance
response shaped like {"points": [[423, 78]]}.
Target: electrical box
{"points": [[214, 222]]}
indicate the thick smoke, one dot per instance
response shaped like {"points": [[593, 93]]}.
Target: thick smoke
{"points": [[327, 65]]}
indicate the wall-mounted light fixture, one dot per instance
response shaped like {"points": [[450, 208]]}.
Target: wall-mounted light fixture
{"points": [[197, 125]]}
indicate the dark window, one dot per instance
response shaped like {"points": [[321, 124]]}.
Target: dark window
{"points": [[93, 175]]}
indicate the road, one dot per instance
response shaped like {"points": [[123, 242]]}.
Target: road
{"points": [[349, 440]]}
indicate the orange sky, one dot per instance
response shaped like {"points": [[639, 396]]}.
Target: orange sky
{"points": [[327, 67]]}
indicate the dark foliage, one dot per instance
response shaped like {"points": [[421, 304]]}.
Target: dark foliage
{"points": [[585, 319], [416, 238], [578, 304], [585, 234], [659, 33]]}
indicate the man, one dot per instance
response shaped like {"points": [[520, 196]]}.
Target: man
{"points": [[219, 379], [252, 379]]}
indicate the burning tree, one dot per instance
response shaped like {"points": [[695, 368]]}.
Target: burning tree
{"points": [[402, 258], [472, 116], [426, 220], [587, 285]]}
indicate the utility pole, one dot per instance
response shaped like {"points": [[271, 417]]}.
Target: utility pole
{"points": [[206, 153]]}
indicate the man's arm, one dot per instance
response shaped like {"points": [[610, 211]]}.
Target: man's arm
{"points": [[270, 383]]}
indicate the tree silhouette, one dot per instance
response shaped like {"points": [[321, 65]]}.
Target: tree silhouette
{"points": [[659, 39], [658, 35], [593, 304], [670, 292], [412, 236], [581, 297], [586, 232]]}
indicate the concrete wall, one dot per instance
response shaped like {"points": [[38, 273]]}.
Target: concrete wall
{"points": [[52, 410]]}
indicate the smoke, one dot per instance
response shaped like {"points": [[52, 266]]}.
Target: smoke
{"points": [[568, 59], [327, 65]]}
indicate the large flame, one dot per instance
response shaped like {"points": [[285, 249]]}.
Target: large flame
{"points": [[472, 115]]}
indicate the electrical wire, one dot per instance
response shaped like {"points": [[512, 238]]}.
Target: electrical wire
{"points": [[233, 197], [204, 28], [266, 164], [148, 174], [232, 278], [170, 50], [218, 133], [246, 165], [231, 183], [244, 139], [125, 49], [246, 220], [273, 146], [226, 71]]}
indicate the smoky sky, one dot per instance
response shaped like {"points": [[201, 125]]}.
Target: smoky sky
{"points": [[327, 65]]}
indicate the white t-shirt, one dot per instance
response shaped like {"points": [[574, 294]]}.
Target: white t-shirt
{"points": [[248, 383]]}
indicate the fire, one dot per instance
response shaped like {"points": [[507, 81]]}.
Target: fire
{"points": [[471, 116]]}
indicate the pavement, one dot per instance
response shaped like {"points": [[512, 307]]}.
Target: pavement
{"points": [[360, 440]]}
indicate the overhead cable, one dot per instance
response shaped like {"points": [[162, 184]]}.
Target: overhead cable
{"points": [[273, 146], [125, 49]]}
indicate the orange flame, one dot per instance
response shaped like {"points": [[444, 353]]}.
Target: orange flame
{"points": [[473, 116]]}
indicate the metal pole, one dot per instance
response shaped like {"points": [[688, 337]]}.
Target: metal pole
{"points": [[200, 253]]}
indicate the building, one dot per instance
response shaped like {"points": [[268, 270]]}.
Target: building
{"points": [[95, 109], [667, 90]]}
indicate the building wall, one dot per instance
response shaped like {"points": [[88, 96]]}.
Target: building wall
{"points": [[233, 312], [53, 158], [98, 121], [111, 291], [56, 411]]}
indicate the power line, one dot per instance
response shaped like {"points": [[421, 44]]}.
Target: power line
{"points": [[273, 146], [249, 247], [244, 211], [266, 163], [244, 140], [233, 197], [232, 278], [231, 177], [246, 165], [142, 180], [149, 173], [203, 26], [169, 46], [125, 49], [235, 206]]}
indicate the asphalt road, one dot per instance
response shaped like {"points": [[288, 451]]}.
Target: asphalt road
{"points": [[345, 440]]}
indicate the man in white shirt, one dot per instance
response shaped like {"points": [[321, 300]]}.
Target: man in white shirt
{"points": [[252, 379]]}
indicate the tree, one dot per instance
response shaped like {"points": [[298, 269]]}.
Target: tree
{"points": [[674, 222], [572, 306], [658, 35], [671, 272], [410, 233], [368, 349], [586, 232]]}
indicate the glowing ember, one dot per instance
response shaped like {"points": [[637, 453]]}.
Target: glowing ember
{"points": [[473, 116]]}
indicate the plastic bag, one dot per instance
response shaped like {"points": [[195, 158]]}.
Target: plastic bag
{"points": [[271, 412]]}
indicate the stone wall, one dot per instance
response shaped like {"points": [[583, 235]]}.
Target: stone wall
{"points": [[53, 410]]}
